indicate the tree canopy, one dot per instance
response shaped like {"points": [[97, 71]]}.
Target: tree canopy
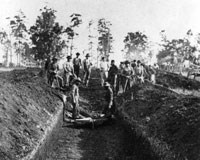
{"points": [[135, 43], [105, 38], [46, 35], [180, 47]]}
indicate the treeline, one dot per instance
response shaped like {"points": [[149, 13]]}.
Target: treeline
{"points": [[48, 38]]}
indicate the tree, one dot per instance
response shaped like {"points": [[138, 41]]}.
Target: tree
{"points": [[135, 43], [5, 41], [18, 35], [75, 22], [93, 42], [180, 47], [90, 36], [105, 38], [46, 35]]}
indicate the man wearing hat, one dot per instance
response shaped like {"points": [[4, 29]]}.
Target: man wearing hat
{"points": [[75, 98], [46, 68], [129, 75], [109, 97], [120, 77], [53, 70], [103, 70], [87, 66], [68, 70], [134, 64], [77, 64], [139, 72], [112, 74]]}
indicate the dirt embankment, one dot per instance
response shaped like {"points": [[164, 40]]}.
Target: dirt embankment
{"points": [[173, 80], [27, 109], [169, 121]]}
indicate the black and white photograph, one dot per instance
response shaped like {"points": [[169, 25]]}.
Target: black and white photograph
{"points": [[99, 80]]}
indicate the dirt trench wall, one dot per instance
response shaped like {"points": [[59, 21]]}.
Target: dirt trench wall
{"points": [[29, 109], [167, 122], [173, 80], [41, 151]]}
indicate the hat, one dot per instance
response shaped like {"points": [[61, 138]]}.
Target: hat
{"points": [[127, 62], [106, 84], [55, 58], [69, 57], [77, 53], [87, 55]]}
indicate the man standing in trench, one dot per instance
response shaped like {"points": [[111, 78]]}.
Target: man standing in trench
{"points": [[109, 97], [75, 98], [103, 70], [77, 64], [68, 71], [53, 70], [87, 66], [112, 75]]}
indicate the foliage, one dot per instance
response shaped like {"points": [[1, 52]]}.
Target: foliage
{"points": [[135, 43], [46, 35], [75, 22], [6, 43], [90, 36], [181, 47], [19, 34], [105, 38]]}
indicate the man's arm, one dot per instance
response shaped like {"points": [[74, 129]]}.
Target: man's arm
{"points": [[57, 68], [64, 66], [73, 93], [111, 98], [73, 70], [80, 62]]}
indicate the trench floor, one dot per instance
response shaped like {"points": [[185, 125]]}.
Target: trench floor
{"points": [[105, 142]]}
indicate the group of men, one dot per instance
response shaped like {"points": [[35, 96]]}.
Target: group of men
{"points": [[71, 70], [128, 74], [70, 77], [112, 77]]}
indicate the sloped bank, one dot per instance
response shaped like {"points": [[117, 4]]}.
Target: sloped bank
{"points": [[176, 81], [29, 109], [165, 121]]}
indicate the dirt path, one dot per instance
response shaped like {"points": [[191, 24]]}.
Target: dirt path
{"points": [[105, 142]]}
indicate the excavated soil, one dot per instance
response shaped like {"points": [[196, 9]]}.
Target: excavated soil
{"points": [[173, 80], [151, 120], [169, 120], [27, 109]]}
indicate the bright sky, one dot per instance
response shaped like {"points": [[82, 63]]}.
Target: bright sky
{"points": [[149, 16]]}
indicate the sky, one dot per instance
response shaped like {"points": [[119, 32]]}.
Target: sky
{"points": [[148, 16]]}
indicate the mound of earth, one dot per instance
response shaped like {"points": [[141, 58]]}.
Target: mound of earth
{"points": [[168, 120], [173, 80], [27, 109]]}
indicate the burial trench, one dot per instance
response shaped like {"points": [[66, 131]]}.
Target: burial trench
{"points": [[34, 113], [113, 140]]}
